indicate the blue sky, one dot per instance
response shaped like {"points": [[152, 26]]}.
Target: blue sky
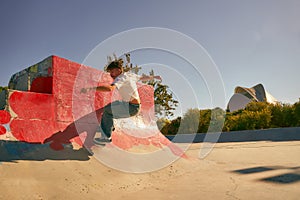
{"points": [[250, 41]]}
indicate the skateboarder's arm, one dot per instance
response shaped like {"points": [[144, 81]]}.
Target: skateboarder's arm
{"points": [[102, 88]]}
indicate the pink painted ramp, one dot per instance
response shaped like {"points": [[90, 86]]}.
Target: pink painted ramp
{"points": [[139, 135]]}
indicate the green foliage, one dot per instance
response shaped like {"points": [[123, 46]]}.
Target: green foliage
{"points": [[162, 122], [297, 113], [248, 120], [168, 127], [256, 115], [165, 104], [257, 106], [196, 121], [3, 88], [217, 120], [283, 115], [190, 121], [205, 117]]}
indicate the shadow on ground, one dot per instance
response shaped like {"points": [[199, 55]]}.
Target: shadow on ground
{"points": [[286, 178], [12, 151]]}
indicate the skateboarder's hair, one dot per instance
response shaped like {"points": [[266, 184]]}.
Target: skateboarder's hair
{"points": [[114, 64]]}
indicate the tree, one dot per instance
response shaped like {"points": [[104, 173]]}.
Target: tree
{"points": [[205, 117], [217, 119], [168, 127], [164, 101], [256, 115], [3, 88], [190, 121], [297, 113]]}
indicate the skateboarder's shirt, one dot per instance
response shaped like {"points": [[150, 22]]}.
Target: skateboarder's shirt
{"points": [[126, 85]]}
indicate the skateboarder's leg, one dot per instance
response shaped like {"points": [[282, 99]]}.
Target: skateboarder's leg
{"points": [[116, 110]]}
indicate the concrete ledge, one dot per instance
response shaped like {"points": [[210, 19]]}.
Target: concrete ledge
{"points": [[274, 134]]}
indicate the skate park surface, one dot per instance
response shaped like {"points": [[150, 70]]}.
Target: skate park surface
{"points": [[241, 169]]}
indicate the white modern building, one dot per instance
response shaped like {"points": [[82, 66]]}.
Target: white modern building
{"points": [[242, 96]]}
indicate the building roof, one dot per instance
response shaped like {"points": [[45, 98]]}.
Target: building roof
{"points": [[243, 95]]}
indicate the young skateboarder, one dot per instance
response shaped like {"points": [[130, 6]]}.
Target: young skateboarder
{"points": [[129, 105]]}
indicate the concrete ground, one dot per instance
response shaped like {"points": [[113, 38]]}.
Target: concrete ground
{"points": [[231, 170]]}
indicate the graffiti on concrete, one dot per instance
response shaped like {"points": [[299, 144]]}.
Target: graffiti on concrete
{"points": [[44, 104]]}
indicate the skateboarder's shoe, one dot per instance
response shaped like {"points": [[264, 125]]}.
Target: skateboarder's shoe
{"points": [[102, 140]]}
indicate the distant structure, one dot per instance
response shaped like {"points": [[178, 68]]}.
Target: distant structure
{"points": [[242, 96]]}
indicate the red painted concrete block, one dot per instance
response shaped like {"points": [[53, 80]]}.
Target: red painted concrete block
{"points": [[4, 117], [42, 85], [2, 130], [54, 100], [48, 106], [30, 105], [32, 130]]}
